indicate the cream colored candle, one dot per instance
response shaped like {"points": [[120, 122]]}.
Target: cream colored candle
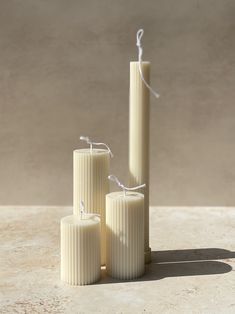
{"points": [[139, 139], [80, 249], [125, 233], [90, 184]]}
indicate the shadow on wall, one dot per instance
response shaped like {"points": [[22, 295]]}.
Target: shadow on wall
{"points": [[177, 263]]}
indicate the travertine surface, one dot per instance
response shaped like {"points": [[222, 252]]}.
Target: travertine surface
{"points": [[191, 272]]}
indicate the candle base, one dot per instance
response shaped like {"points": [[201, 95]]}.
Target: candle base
{"points": [[147, 256]]}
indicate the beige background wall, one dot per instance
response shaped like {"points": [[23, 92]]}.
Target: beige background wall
{"points": [[64, 73]]}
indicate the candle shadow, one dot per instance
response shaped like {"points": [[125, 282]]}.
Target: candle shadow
{"points": [[177, 263]]}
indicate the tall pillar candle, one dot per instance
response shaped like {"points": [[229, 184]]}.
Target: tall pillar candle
{"points": [[139, 110], [91, 184], [125, 235], [80, 249]]}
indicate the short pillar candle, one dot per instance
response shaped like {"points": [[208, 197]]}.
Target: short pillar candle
{"points": [[125, 235], [90, 184], [80, 249]]}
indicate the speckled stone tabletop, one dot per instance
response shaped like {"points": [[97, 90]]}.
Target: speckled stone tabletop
{"points": [[192, 269]]}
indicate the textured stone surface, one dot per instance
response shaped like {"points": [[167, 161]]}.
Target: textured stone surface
{"points": [[192, 269], [64, 72]]}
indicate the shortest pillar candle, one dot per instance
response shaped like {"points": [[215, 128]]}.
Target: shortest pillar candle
{"points": [[125, 235], [80, 249]]}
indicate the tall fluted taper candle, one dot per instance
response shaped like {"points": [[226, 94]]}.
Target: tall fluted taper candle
{"points": [[125, 234], [91, 184], [80, 249], [139, 139]]}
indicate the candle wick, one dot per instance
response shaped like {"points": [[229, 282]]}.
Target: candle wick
{"points": [[82, 209], [139, 35], [86, 139], [122, 186]]}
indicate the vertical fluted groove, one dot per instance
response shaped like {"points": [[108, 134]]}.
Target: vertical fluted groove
{"points": [[139, 136], [91, 184], [125, 235], [80, 251]]}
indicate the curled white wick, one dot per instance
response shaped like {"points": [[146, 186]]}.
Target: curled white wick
{"points": [[83, 212], [122, 186], [82, 209], [88, 141], [139, 35]]}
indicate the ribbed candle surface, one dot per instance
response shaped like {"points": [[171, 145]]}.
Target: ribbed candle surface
{"points": [[125, 235], [91, 184], [139, 139], [80, 249]]}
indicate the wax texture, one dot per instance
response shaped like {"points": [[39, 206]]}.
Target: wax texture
{"points": [[125, 235], [139, 112], [91, 184], [80, 249]]}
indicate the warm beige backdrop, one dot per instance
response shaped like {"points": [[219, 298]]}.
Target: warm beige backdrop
{"points": [[64, 71]]}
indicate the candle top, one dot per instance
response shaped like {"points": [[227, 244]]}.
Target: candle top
{"points": [[91, 143], [139, 36], [129, 195], [113, 178], [142, 62], [91, 152], [86, 220]]}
